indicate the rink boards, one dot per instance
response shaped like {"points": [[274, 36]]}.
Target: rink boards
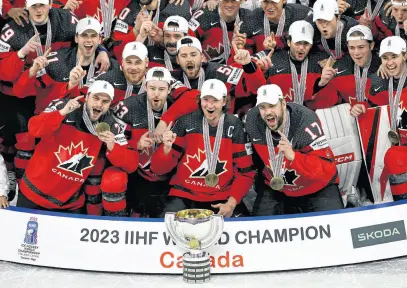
{"points": [[247, 244]]}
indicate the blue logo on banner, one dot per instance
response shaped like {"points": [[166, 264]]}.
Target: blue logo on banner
{"points": [[31, 233]]}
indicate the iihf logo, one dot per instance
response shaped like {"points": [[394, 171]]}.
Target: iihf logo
{"points": [[31, 232]]}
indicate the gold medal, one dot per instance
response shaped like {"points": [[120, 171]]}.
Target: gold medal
{"points": [[277, 183], [211, 180], [393, 137], [102, 127]]}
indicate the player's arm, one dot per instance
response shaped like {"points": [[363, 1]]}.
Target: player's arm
{"points": [[50, 120], [122, 155], [167, 155]]}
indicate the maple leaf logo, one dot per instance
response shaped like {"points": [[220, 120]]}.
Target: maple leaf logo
{"points": [[74, 158], [198, 165], [214, 52], [290, 95], [290, 176]]}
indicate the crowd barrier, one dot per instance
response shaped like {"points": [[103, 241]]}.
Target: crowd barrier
{"points": [[247, 244]]}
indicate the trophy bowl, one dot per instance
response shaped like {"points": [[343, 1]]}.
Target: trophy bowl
{"points": [[195, 230]]}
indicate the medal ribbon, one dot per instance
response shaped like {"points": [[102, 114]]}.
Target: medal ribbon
{"points": [[167, 61], [212, 157], [87, 121], [299, 86], [395, 100], [200, 80], [280, 26], [338, 41], [276, 164], [225, 37], [151, 119], [107, 16], [129, 89], [376, 10], [48, 39], [361, 82], [90, 73]]}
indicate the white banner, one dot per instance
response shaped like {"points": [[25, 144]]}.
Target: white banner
{"points": [[247, 244]]}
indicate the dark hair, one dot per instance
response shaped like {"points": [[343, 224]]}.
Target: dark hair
{"points": [[225, 108]]}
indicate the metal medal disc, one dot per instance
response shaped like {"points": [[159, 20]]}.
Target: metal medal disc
{"points": [[393, 137], [211, 180], [277, 183], [102, 127]]}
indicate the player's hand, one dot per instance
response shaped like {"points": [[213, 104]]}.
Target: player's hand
{"points": [[141, 17], [157, 35], [270, 42], [145, 141], [357, 109], [210, 5], [226, 209], [239, 38], [168, 139], [18, 15], [177, 2], [241, 56], [328, 73], [265, 63], [159, 131], [382, 72], [285, 147], [72, 5], [30, 46], [343, 6], [365, 19], [102, 61], [3, 202], [39, 63], [76, 75], [71, 106], [108, 138]]}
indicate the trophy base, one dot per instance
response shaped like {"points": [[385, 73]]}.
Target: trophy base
{"points": [[196, 268]]}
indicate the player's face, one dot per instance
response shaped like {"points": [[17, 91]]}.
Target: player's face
{"points": [[39, 13], [157, 92], [360, 51], [170, 41], [273, 115], [212, 108], [272, 9], [299, 50], [190, 60], [134, 69], [97, 105], [327, 28], [88, 42], [399, 13], [395, 64], [229, 8]]}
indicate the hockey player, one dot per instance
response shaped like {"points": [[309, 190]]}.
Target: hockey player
{"points": [[73, 134], [146, 196], [4, 184], [296, 161], [241, 83], [213, 160]]}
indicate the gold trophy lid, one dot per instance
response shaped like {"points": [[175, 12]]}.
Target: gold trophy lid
{"points": [[196, 214]]}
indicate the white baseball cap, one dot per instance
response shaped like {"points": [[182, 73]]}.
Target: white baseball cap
{"points": [[367, 33], [88, 23], [181, 21], [394, 3], [325, 10], [30, 3], [215, 88], [270, 94], [159, 74], [392, 44], [101, 86], [275, 1], [135, 49], [189, 41], [301, 31]]}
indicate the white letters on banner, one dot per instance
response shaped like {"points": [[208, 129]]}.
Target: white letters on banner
{"points": [[247, 245]]}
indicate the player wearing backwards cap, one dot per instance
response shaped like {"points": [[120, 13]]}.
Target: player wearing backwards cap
{"points": [[332, 28], [392, 92], [146, 16], [271, 22], [147, 191], [295, 72], [71, 140], [241, 83], [215, 29], [208, 147], [297, 163], [350, 78]]}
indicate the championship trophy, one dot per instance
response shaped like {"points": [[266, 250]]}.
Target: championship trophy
{"points": [[195, 230]]}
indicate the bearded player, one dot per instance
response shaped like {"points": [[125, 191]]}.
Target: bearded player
{"points": [[297, 163]]}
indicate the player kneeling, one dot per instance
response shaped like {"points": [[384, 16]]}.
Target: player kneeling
{"points": [[208, 146]]}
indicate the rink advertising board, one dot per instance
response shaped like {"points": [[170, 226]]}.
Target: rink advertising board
{"points": [[247, 245]]}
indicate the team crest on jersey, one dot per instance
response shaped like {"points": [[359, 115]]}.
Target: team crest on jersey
{"points": [[74, 158], [198, 165], [214, 52], [289, 175]]}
